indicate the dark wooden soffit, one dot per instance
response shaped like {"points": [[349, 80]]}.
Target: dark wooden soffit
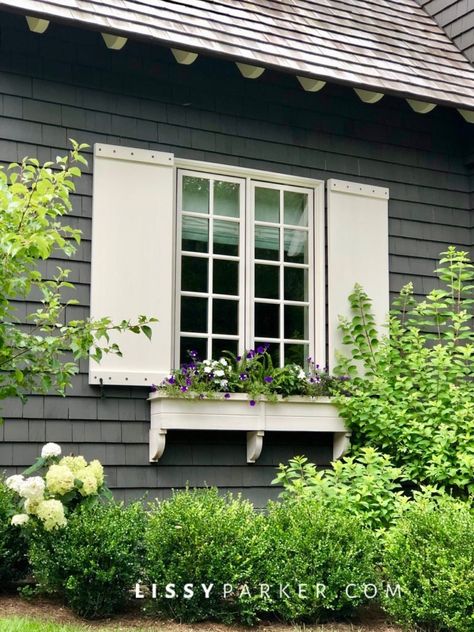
{"points": [[456, 17], [385, 46]]}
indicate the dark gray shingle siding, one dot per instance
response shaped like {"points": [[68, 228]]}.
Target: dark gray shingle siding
{"points": [[456, 17], [140, 97]]}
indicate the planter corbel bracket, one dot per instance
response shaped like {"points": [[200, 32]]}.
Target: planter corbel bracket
{"points": [[254, 445], [341, 443], [157, 443]]}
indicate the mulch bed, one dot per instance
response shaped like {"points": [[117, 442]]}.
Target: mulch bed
{"points": [[54, 612]]}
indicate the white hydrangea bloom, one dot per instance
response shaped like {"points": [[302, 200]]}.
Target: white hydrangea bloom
{"points": [[51, 513], [89, 482], [50, 449], [15, 482], [74, 463], [20, 519], [31, 504], [32, 487], [59, 479], [96, 468]]}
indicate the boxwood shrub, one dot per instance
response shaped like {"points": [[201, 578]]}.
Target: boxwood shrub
{"points": [[95, 560], [198, 537], [430, 554], [13, 560], [310, 543]]}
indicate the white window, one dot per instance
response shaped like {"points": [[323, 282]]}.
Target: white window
{"points": [[227, 258], [246, 267]]}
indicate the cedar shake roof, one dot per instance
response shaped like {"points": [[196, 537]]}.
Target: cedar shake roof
{"points": [[385, 46]]}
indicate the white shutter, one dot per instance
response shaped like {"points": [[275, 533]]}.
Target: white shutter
{"points": [[132, 259], [357, 252]]}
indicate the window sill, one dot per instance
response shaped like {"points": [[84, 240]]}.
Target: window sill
{"points": [[294, 414]]}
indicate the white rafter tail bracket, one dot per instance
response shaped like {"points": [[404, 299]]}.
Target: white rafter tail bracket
{"points": [[310, 84], [157, 443], [254, 445], [248, 71], [184, 57], [421, 107], [37, 25], [114, 42], [341, 443], [468, 115], [368, 96]]}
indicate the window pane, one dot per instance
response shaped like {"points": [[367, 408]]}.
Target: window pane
{"points": [[267, 205], [195, 194], [296, 354], [296, 284], [192, 344], [296, 246], [226, 238], [195, 234], [296, 208], [267, 320], [193, 314], [219, 346], [194, 274], [226, 277], [296, 322], [226, 198], [267, 281], [267, 243], [225, 317]]}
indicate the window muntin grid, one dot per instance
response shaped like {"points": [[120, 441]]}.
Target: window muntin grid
{"points": [[210, 278], [245, 269]]}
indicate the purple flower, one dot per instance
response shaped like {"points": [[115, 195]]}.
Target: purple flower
{"points": [[252, 402], [227, 395], [250, 354], [261, 349], [193, 353], [243, 376], [268, 379], [153, 388], [184, 389], [171, 380], [239, 358], [188, 381]]}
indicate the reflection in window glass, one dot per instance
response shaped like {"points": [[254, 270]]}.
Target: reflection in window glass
{"points": [[296, 208], [267, 320], [195, 195], [296, 322], [226, 277], [219, 346], [226, 238], [225, 317], [188, 344], [226, 198], [296, 284], [267, 243], [296, 246], [296, 354], [195, 234], [267, 281], [267, 205]]}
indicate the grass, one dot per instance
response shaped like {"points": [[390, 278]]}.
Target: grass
{"points": [[25, 624]]}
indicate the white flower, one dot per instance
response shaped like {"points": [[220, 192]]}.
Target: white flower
{"points": [[20, 519], [224, 382], [223, 361], [219, 373], [207, 362], [50, 449], [207, 369], [15, 482], [32, 487], [302, 374], [51, 512]]}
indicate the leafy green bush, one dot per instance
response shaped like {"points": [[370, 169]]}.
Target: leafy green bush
{"points": [[367, 485], [93, 561], [328, 550], [198, 537], [430, 554], [415, 401], [12, 543]]}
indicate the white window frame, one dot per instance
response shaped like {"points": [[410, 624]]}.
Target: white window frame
{"points": [[316, 253]]}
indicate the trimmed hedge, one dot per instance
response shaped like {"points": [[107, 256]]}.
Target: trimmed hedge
{"points": [[94, 561], [13, 558], [430, 553], [198, 537]]}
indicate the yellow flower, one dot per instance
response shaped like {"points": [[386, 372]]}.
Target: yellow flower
{"points": [[74, 463], [59, 480], [51, 513], [96, 467], [89, 482]]}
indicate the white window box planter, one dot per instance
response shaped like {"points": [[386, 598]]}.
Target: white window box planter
{"points": [[294, 414]]}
